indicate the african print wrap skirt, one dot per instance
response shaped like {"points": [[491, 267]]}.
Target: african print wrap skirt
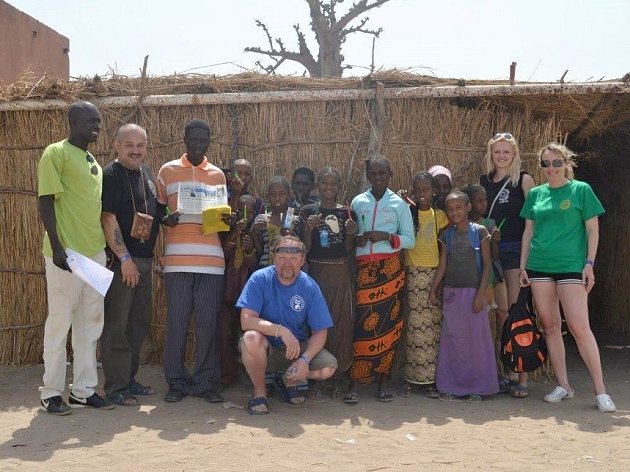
{"points": [[423, 328], [379, 316]]}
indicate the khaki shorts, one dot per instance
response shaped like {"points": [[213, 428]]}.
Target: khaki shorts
{"points": [[277, 360]]}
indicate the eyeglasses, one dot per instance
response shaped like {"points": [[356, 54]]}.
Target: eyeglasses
{"points": [[93, 169], [503, 136], [554, 163]]}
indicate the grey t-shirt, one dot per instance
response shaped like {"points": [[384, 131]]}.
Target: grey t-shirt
{"points": [[461, 263]]}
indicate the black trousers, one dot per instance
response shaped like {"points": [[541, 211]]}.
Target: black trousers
{"points": [[128, 314]]}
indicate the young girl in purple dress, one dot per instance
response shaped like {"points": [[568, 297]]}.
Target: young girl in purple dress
{"points": [[466, 360]]}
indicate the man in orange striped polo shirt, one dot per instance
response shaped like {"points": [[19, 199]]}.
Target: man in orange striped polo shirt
{"points": [[193, 267]]}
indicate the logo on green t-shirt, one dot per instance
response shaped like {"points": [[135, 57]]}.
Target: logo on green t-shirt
{"points": [[565, 204]]}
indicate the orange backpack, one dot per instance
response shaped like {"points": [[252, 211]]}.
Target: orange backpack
{"points": [[523, 348]]}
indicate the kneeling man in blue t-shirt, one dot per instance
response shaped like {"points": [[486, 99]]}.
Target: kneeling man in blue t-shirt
{"points": [[280, 305]]}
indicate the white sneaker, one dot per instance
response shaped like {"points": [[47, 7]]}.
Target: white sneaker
{"points": [[559, 393], [604, 403]]}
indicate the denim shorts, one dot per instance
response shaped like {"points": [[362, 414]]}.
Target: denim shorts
{"points": [[510, 254]]}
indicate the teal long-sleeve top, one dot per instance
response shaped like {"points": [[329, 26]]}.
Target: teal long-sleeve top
{"points": [[390, 214]]}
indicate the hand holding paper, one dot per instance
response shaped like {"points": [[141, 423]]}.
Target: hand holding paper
{"points": [[91, 272]]}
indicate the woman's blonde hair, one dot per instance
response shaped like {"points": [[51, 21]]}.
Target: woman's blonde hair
{"points": [[565, 153], [515, 168]]}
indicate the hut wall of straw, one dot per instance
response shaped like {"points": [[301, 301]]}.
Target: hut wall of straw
{"points": [[278, 136], [275, 137], [607, 171]]}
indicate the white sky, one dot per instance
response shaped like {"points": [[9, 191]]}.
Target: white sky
{"points": [[448, 38]]}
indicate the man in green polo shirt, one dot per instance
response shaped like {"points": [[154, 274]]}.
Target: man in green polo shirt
{"points": [[69, 188]]}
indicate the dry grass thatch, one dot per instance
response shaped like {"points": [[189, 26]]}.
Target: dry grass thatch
{"points": [[118, 85], [275, 137]]}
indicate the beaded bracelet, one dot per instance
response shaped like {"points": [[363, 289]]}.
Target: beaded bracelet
{"points": [[277, 330]]}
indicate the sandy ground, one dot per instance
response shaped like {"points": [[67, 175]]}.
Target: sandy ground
{"points": [[413, 433]]}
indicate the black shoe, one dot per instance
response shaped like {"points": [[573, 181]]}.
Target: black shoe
{"points": [[174, 395], [95, 401], [56, 406], [211, 396]]}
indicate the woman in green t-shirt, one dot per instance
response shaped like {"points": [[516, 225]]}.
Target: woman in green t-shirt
{"points": [[557, 259]]}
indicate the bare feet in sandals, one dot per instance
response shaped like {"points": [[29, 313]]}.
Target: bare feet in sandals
{"points": [[340, 387], [123, 399], [384, 395], [257, 406], [289, 393], [520, 391], [351, 397], [406, 389], [315, 390]]}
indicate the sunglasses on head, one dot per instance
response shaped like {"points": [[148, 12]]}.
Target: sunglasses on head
{"points": [[288, 250], [93, 168], [554, 163], [503, 136]]}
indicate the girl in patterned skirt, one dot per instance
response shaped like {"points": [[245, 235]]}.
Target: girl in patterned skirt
{"points": [[386, 227], [424, 321]]}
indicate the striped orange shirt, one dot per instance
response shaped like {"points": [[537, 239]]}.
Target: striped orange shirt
{"points": [[187, 248]]}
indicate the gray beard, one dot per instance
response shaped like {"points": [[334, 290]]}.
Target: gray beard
{"points": [[287, 275]]}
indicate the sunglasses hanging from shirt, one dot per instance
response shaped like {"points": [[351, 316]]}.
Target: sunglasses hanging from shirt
{"points": [[93, 168], [142, 222]]}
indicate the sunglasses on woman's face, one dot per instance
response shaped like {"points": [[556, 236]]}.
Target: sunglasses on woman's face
{"points": [[503, 136], [554, 163]]}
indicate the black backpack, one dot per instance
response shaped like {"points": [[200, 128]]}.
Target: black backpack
{"points": [[523, 348]]}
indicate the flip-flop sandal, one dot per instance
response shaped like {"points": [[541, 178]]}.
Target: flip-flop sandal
{"points": [[123, 399], [431, 392], [520, 392], [384, 395], [507, 385], [351, 398], [406, 390], [256, 402], [447, 397], [137, 388]]}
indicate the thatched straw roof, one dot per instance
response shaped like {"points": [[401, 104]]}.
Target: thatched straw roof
{"points": [[584, 109]]}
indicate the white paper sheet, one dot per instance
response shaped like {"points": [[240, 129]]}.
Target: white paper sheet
{"points": [[91, 272], [195, 197]]}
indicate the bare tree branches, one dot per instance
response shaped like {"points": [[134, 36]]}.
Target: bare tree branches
{"points": [[278, 53], [358, 9], [330, 34]]}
